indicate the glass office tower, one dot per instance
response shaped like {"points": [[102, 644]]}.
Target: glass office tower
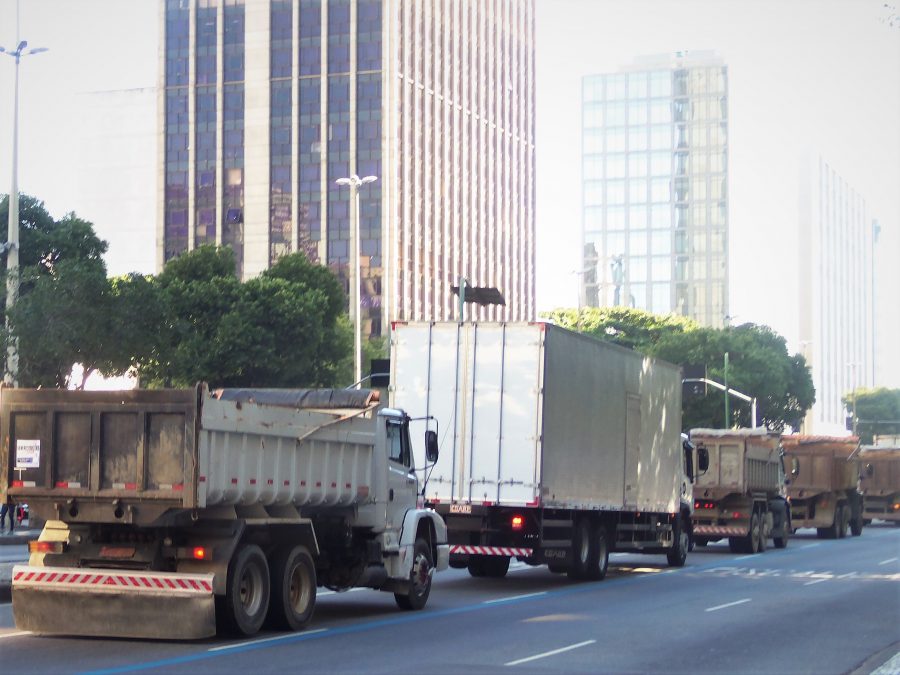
{"points": [[264, 104], [655, 187]]}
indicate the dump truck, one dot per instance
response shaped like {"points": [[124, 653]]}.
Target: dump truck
{"points": [[556, 448], [880, 482], [741, 496], [170, 513], [822, 486]]}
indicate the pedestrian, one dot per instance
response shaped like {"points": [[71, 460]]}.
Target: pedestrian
{"points": [[7, 509]]}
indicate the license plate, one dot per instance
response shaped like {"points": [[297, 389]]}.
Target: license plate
{"points": [[460, 508], [118, 552]]}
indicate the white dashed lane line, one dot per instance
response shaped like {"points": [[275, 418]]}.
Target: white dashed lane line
{"points": [[550, 653], [888, 561], [727, 604]]}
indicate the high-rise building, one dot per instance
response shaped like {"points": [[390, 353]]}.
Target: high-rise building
{"points": [[655, 187], [264, 104], [836, 309]]}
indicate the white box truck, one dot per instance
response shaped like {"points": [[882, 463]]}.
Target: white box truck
{"points": [[169, 511], [556, 448]]}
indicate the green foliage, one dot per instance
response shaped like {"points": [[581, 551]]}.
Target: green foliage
{"points": [[281, 329], [877, 412], [759, 362], [632, 328]]}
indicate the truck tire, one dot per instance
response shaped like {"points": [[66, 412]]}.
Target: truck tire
{"points": [[763, 540], [583, 551], [844, 522], [751, 541], [701, 541], [496, 566], [830, 532], [246, 600], [677, 555], [476, 565], [736, 544], [856, 527], [419, 578], [293, 598], [600, 561]]}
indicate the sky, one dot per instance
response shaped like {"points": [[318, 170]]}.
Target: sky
{"points": [[804, 75]]}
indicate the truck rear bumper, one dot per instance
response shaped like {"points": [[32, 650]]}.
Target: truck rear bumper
{"points": [[719, 531], [113, 603]]}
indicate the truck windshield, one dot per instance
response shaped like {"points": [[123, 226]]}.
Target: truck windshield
{"points": [[398, 442]]}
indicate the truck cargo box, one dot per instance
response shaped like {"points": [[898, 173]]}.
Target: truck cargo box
{"points": [[880, 471], [533, 414], [741, 461]]}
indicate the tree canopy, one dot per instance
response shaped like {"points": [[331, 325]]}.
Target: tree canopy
{"points": [[877, 412], [759, 363]]}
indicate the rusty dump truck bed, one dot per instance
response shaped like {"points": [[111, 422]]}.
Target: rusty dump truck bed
{"points": [[826, 463], [880, 470], [741, 461]]}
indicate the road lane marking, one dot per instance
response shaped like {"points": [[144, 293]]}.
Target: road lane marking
{"points": [[551, 653], [815, 581], [847, 576], [21, 632], [235, 645], [745, 557], [727, 604], [889, 560], [514, 597]]}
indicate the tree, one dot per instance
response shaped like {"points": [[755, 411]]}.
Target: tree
{"points": [[285, 328], [61, 316], [877, 412], [632, 328]]}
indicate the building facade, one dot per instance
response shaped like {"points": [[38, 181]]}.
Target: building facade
{"points": [[264, 104], [835, 263], [655, 187]]}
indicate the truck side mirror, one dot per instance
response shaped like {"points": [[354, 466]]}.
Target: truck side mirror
{"points": [[870, 470], [702, 459], [795, 467], [688, 460], [431, 445]]}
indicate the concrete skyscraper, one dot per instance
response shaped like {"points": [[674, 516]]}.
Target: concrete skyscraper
{"points": [[264, 104], [655, 187], [836, 309]]}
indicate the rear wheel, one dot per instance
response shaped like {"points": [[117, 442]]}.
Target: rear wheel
{"points": [[844, 522], [496, 566], [751, 541], [246, 599], [419, 578], [736, 544], [700, 541], [761, 543], [293, 599], [600, 560], [476, 565], [677, 555], [582, 551]]}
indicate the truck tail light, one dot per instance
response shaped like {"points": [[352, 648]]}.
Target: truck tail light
{"points": [[698, 504], [518, 522], [46, 546], [896, 507], [737, 514], [200, 553]]}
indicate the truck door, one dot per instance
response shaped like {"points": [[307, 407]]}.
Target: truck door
{"points": [[401, 477]]}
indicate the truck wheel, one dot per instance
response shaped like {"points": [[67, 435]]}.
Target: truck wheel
{"points": [[293, 589], [247, 595], [751, 541], [476, 565], [496, 567], [844, 523], [762, 541], [679, 551], [556, 568], [582, 551], [600, 561], [419, 578], [700, 541], [856, 527], [736, 544]]}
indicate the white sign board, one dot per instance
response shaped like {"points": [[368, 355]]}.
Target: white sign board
{"points": [[28, 454]]}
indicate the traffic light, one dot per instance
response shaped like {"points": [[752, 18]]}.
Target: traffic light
{"points": [[693, 372]]}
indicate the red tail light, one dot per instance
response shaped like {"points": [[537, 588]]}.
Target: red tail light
{"points": [[737, 514], [46, 546], [518, 522], [199, 553], [704, 505]]}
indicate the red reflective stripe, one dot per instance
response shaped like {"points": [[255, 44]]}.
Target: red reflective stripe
{"points": [[131, 486], [170, 583], [234, 481], [159, 584], [52, 577], [286, 483], [17, 576], [178, 487], [18, 483], [252, 481], [202, 479], [270, 481], [333, 484], [30, 575]]}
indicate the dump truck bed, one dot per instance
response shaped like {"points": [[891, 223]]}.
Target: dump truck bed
{"points": [[134, 456], [741, 461], [825, 463]]}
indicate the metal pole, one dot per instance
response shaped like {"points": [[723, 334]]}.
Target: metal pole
{"points": [[357, 323], [12, 251], [462, 298], [753, 412], [727, 408]]}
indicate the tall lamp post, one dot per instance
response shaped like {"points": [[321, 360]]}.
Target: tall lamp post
{"points": [[12, 245], [354, 182]]}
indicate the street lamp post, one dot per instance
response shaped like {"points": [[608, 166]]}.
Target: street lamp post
{"points": [[12, 244], [354, 182]]}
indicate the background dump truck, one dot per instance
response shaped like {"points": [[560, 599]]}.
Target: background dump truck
{"points": [[556, 448], [822, 486], [166, 508], [880, 482], [741, 496]]}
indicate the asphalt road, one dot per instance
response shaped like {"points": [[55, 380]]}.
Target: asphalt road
{"points": [[818, 606]]}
